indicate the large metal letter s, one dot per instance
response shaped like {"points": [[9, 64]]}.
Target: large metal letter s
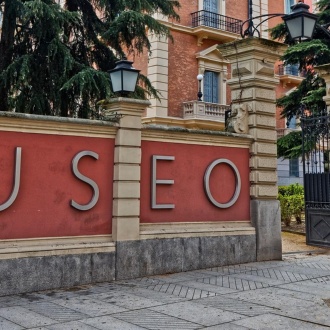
{"points": [[83, 178], [17, 180]]}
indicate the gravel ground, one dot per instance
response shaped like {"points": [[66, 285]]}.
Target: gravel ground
{"points": [[297, 243]]}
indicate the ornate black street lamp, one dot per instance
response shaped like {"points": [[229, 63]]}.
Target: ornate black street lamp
{"points": [[300, 23], [124, 77]]}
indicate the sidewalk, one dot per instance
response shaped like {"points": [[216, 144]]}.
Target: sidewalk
{"points": [[289, 294]]}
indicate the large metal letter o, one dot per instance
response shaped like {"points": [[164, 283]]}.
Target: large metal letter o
{"points": [[237, 183]]}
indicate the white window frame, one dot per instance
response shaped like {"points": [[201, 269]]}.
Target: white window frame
{"points": [[221, 6]]}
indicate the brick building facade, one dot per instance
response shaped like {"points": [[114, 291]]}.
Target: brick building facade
{"points": [[173, 66]]}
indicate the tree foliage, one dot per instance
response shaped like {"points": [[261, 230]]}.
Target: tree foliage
{"points": [[308, 95], [54, 58]]}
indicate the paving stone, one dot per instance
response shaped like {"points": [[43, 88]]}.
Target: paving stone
{"points": [[316, 265], [319, 314], [141, 282], [317, 289], [55, 311], [10, 301], [268, 321], [152, 320], [74, 325], [295, 294], [290, 294], [236, 306], [5, 325], [103, 288], [109, 322], [247, 282], [280, 274], [227, 326], [156, 295], [215, 289], [130, 301], [180, 290], [178, 277], [309, 271], [194, 312], [270, 297], [89, 307], [232, 269], [24, 317]]}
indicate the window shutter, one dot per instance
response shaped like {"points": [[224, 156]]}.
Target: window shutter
{"points": [[211, 87]]}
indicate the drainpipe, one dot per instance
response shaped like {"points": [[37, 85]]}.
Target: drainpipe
{"points": [[250, 12]]}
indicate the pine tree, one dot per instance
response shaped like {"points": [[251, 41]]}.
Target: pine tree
{"points": [[308, 95], [54, 58]]}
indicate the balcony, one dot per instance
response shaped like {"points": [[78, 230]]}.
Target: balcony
{"points": [[290, 74], [207, 24], [204, 110], [285, 131]]}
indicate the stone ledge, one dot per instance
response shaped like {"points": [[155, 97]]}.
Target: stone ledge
{"points": [[198, 229], [24, 248]]}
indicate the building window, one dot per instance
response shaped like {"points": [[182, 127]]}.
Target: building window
{"points": [[288, 4], [210, 8], [292, 69], [211, 86], [210, 5], [292, 123], [294, 167]]}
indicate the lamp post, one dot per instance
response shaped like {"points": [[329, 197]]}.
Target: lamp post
{"points": [[300, 23], [199, 94], [124, 77]]}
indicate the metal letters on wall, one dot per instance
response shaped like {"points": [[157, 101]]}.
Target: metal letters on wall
{"points": [[83, 178], [17, 180], [154, 183], [207, 183]]}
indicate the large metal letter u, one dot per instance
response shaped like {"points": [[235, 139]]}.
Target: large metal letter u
{"points": [[17, 180]]}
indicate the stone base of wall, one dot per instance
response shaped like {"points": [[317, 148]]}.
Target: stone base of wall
{"points": [[266, 218], [30, 274], [130, 260], [161, 256]]}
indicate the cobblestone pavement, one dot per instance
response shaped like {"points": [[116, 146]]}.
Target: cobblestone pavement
{"points": [[289, 294]]}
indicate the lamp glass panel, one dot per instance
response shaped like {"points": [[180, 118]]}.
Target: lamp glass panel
{"points": [[309, 25], [295, 27], [129, 80], [116, 79]]}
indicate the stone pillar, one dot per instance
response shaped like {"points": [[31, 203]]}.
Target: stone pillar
{"points": [[158, 76], [253, 86], [126, 178], [324, 72]]}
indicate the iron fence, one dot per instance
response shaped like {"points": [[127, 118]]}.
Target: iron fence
{"points": [[217, 21], [316, 165]]}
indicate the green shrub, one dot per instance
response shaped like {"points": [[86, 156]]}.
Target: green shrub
{"points": [[285, 209], [292, 202]]}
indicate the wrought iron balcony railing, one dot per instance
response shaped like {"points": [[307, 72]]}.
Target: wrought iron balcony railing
{"points": [[292, 70], [217, 21]]}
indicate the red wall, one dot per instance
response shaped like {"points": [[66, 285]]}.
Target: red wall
{"points": [[42, 207], [187, 192]]}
